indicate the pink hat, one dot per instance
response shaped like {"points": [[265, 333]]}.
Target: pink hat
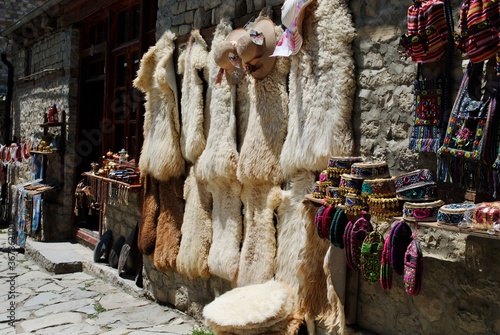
{"points": [[292, 15]]}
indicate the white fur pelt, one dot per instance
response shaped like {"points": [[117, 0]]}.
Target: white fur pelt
{"points": [[261, 309], [291, 233], [196, 230], [337, 318], [161, 155], [322, 87], [259, 233], [192, 60], [260, 173], [267, 124], [217, 167], [224, 254], [220, 157]]}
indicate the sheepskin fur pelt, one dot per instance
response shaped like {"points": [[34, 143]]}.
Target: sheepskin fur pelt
{"points": [[337, 318], [220, 157], [217, 167], [150, 210], [322, 87], [192, 260], [259, 233], [168, 229], [193, 62], [224, 254], [267, 125], [266, 308], [259, 171], [161, 154]]}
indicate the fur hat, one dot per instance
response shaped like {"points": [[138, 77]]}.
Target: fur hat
{"points": [[256, 46], [227, 58]]}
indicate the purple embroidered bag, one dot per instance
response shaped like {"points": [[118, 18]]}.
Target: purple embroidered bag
{"points": [[360, 229], [413, 268]]}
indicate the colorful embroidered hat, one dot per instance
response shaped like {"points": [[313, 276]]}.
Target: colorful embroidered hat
{"points": [[370, 170], [333, 196], [378, 188], [421, 211], [227, 58], [413, 179], [292, 15], [256, 46], [318, 191], [326, 222], [485, 215], [453, 214]]}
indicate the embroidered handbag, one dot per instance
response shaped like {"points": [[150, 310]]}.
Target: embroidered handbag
{"points": [[371, 256], [471, 135], [427, 34], [413, 268], [400, 237], [479, 26], [360, 229]]}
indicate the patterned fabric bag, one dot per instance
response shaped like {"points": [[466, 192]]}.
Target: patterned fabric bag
{"points": [[470, 144], [385, 265], [400, 237], [347, 245], [413, 268], [479, 25], [428, 107], [427, 34], [371, 256], [337, 229], [360, 229]]}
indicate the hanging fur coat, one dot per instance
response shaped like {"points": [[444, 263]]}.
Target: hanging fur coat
{"points": [[161, 154], [217, 167], [322, 87], [192, 61], [260, 173]]}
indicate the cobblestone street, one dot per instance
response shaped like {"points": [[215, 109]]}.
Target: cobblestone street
{"points": [[35, 301]]}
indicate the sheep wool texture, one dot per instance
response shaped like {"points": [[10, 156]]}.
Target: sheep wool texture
{"points": [[217, 167], [161, 155], [260, 173], [168, 229], [196, 230], [192, 62], [322, 87], [150, 210], [336, 320]]}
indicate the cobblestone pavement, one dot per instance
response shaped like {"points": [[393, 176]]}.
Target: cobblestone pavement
{"points": [[35, 301]]}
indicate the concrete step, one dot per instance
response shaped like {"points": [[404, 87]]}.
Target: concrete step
{"points": [[58, 257]]}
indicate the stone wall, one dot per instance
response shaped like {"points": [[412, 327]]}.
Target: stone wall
{"points": [[53, 60]]}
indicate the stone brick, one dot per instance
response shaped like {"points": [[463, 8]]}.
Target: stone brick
{"points": [[184, 29], [210, 4], [202, 18]]}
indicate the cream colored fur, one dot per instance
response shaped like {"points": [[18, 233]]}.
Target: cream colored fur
{"points": [[267, 123], [192, 260], [322, 87], [224, 254], [336, 320], [192, 60], [168, 229], [218, 160], [161, 156], [259, 234]]}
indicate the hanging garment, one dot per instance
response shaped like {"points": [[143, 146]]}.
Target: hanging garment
{"points": [[217, 167], [193, 66]]}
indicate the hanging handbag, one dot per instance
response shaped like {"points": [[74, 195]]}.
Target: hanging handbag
{"points": [[470, 142], [427, 34], [413, 268], [479, 26]]}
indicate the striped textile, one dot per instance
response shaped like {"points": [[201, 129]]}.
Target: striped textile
{"points": [[479, 29]]}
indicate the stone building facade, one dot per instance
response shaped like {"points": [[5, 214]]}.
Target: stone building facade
{"points": [[461, 275]]}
